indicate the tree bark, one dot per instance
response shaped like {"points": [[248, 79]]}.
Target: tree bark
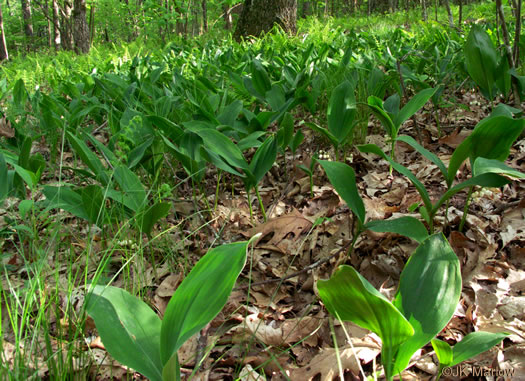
{"points": [[449, 12], [3, 46], [67, 29], [26, 12], [81, 30], [204, 16], [227, 14], [259, 16], [56, 26]]}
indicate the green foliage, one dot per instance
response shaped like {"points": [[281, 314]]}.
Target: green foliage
{"points": [[135, 336], [342, 177], [470, 346], [428, 293], [488, 68]]}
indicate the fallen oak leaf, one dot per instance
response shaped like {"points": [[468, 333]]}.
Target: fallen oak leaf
{"points": [[294, 223]]}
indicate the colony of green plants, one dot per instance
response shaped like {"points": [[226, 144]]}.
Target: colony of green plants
{"points": [[115, 143]]}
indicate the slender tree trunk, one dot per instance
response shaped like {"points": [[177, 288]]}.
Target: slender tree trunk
{"points": [[227, 14], [81, 30], [259, 16], [204, 16], [449, 12], [91, 23], [508, 51], [460, 17], [517, 34], [26, 13], [67, 29], [56, 26], [45, 9], [8, 4], [3, 46], [424, 14]]}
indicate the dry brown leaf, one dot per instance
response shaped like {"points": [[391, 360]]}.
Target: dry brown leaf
{"points": [[5, 128], [294, 223], [324, 365]]}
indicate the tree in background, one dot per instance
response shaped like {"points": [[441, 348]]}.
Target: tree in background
{"points": [[81, 30], [3, 46], [259, 16], [26, 12]]}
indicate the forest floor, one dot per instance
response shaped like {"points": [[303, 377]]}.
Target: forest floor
{"points": [[273, 325]]}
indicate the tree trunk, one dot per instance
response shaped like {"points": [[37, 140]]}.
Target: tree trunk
{"points": [[424, 10], [259, 16], [3, 46], [26, 12], [517, 34], [45, 9], [9, 12], [81, 30], [227, 14], [204, 16], [91, 23], [449, 12], [56, 26], [67, 29]]}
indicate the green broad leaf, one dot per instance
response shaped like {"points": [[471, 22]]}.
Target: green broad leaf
{"points": [[88, 158], [492, 138], [169, 128], [350, 297], [341, 111], [443, 352], [211, 157], [129, 329], [25, 153], [263, 159], [323, 131], [376, 106], [29, 177], [481, 59], [260, 80], [251, 141], [483, 165], [230, 113], [201, 296], [503, 76], [136, 155], [94, 204], [342, 177], [428, 294], [416, 103], [285, 133], [276, 97], [372, 148], [296, 141], [25, 207], [152, 215], [134, 194], [474, 344], [171, 370], [4, 180], [20, 94], [490, 180], [426, 153], [65, 198], [406, 226], [222, 145]]}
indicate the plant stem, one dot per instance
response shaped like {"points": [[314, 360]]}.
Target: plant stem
{"points": [[217, 191], [250, 204], [465, 209], [260, 203]]}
